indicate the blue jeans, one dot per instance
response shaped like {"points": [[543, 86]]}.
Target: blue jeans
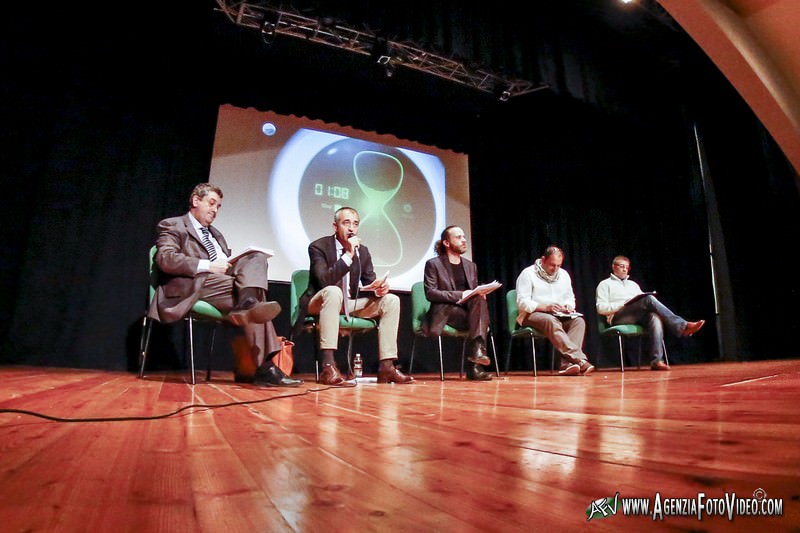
{"points": [[655, 317]]}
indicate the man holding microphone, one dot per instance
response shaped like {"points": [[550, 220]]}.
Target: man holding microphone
{"points": [[342, 280]]}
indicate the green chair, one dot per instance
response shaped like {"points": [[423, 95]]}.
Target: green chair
{"points": [[347, 326], [516, 331], [621, 331], [201, 311], [419, 308]]}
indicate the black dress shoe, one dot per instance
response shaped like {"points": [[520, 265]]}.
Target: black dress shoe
{"points": [[476, 373], [272, 376], [477, 352]]}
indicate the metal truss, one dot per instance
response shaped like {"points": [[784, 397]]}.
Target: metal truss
{"points": [[390, 54]]}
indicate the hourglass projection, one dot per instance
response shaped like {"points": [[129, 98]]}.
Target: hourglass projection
{"points": [[284, 182], [379, 176], [385, 185]]}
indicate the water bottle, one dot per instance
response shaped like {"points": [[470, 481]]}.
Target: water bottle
{"points": [[358, 366]]}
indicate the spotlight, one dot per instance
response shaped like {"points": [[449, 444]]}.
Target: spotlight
{"points": [[269, 26], [382, 51], [503, 92]]}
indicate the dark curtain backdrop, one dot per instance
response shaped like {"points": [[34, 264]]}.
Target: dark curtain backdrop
{"points": [[108, 126]]}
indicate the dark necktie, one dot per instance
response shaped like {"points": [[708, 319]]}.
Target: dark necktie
{"points": [[212, 252], [345, 286]]}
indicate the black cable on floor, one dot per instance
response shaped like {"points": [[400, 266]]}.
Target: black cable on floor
{"points": [[165, 415]]}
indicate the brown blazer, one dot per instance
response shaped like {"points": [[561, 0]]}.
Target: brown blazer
{"points": [[441, 291], [179, 252]]}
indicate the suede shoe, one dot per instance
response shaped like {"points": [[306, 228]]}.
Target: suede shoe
{"points": [[586, 367], [693, 327], [659, 365], [272, 376], [393, 376], [254, 312], [569, 369], [476, 373]]}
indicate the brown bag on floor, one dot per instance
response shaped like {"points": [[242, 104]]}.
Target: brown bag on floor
{"points": [[244, 367], [285, 358]]}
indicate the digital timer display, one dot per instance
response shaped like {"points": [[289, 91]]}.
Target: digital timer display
{"points": [[332, 191]]}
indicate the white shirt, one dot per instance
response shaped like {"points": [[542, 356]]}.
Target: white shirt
{"points": [[347, 260], [612, 293], [533, 291]]}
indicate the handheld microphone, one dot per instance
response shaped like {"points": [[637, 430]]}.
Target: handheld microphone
{"points": [[356, 247]]}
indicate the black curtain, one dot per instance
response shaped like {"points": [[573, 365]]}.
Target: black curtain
{"points": [[108, 126]]}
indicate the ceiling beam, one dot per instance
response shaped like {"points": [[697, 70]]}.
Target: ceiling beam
{"points": [[390, 54]]}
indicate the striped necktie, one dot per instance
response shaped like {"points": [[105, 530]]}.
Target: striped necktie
{"points": [[212, 252]]}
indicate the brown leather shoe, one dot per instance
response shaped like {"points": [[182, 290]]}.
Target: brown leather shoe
{"points": [[393, 376], [586, 367], [659, 365], [332, 377], [693, 327], [569, 369], [257, 313]]}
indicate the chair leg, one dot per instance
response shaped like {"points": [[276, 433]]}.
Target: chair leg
{"points": [[463, 355], [494, 355], [621, 354], [191, 346], [413, 347], [350, 353], [211, 352], [533, 354], [441, 360], [508, 353], [316, 354], [144, 344], [639, 355], [666, 357]]}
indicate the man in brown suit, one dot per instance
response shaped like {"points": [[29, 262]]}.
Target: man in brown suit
{"points": [[192, 260]]}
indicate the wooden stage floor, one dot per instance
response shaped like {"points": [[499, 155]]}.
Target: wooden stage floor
{"points": [[514, 454]]}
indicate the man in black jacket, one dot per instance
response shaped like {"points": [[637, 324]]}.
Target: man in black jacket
{"points": [[449, 277], [339, 262]]}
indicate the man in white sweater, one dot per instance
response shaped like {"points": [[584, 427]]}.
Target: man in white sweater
{"points": [[621, 301], [546, 302]]}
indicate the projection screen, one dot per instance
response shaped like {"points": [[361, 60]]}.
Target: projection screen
{"points": [[283, 177]]}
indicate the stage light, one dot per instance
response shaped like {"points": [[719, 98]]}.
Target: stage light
{"points": [[382, 51], [503, 91], [269, 26]]}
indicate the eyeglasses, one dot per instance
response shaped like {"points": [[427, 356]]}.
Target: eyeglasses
{"points": [[622, 265]]}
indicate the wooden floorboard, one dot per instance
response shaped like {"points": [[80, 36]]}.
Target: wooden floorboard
{"points": [[514, 454]]}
